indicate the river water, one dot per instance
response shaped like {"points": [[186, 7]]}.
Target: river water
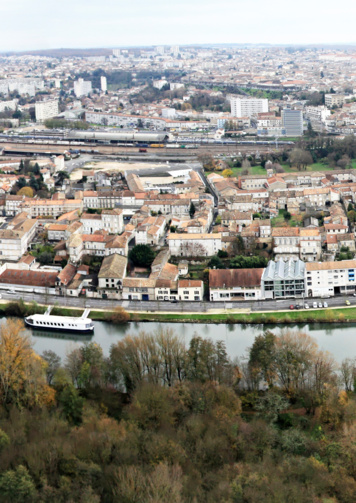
{"points": [[338, 339]]}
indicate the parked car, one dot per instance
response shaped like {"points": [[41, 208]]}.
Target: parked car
{"points": [[306, 306], [320, 304], [354, 294], [315, 305], [326, 304], [291, 306], [174, 301], [297, 306], [347, 302]]}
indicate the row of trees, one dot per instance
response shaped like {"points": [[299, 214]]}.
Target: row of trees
{"points": [[157, 420]]}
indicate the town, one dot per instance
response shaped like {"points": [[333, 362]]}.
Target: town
{"points": [[179, 174]]}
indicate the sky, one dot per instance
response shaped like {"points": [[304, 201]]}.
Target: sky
{"points": [[50, 24]]}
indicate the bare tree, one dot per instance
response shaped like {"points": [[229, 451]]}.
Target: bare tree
{"points": [[300, 158]]}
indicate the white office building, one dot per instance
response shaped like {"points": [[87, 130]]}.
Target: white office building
{"points": [[46, 110], [292, 122], [325, 279], [116, 53], [82, 87], [169, 113], [103, 84], [159, 49], [246, 107]]}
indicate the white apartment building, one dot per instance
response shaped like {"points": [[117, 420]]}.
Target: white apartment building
{"points": [[190, 290], [50, 207], [103, 84], [46, 110], [114, 119], [8, 105], [82, 88], [110, 220], [194, 245], [330, 278], [169, 113], [158, 84], [246, 107], [334, 100], [318, 114]]}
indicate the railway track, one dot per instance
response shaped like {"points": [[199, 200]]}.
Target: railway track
{"points": [[53, 148]]}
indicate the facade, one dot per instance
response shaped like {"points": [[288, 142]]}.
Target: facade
{"points": [[109, 220], [46, 110], [292, 122], [190, 290], [82, 88], [283, 279], [235, 284], [324, 279], [194, 245], [111, 274], [103, 84], [332, 100], [246, 107]]}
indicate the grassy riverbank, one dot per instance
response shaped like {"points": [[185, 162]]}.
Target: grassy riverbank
{"points": [[330, 315]]}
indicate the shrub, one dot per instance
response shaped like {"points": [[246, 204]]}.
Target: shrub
{"points": [[119, 316]]}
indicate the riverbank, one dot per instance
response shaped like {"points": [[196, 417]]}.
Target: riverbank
{"points": [[330, 315]]}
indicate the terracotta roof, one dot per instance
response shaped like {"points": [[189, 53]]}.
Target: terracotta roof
{"points": [[113, 266], [187, 283], [28, 278], [228, 278], [323, 266], [67, 274]]}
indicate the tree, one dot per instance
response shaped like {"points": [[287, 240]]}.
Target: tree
{"points": [[72, 404], [53, 363], [300, 158], [26, 191], [348, 373], [216, 263], [45, 258], [270, 406], [227, 173], [262, 358], [351, 215], [192, 209], [17, 486], [61, 175], [22, 371], [142, 255]]}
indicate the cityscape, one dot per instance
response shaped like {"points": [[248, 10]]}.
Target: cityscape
{"points": [[232, 167], [177, 252]]}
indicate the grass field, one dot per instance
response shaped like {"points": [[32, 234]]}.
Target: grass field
{"points": [[341, 315], [330, 315]]}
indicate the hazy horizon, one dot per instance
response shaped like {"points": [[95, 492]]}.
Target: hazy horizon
{"points": [[41, 25]]}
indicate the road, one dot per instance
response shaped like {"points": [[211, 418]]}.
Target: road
{"points": [[179, 307]]}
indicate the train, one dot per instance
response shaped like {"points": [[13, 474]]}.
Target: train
{"points": [[130, 139]]}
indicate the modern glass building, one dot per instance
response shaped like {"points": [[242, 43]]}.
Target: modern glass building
{"points": [[292, 122], [283, 279]]}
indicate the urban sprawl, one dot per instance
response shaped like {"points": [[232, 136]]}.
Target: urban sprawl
{"points": [[179, 173]]}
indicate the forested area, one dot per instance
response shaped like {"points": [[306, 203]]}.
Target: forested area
{"points": [[159, 420]]}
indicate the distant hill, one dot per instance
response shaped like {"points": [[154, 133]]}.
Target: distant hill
{"points": [[60, 53]]}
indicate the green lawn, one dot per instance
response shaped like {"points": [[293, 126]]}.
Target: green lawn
{"points": [[279, 221], [305, 316]]}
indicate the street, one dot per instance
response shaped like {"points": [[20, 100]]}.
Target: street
{"points": [[165, 306]]}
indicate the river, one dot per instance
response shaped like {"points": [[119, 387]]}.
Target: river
{"points": [[338, 339]]}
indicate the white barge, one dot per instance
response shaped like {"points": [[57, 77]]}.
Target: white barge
{"points": [[46, 321]]}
